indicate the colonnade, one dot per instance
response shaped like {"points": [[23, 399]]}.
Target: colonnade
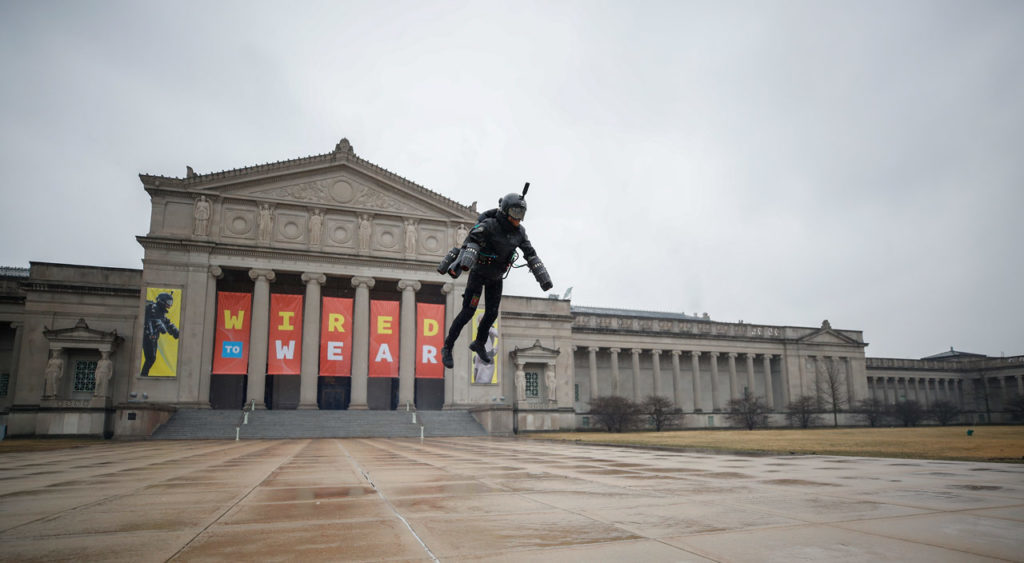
{"points": [[690, 396], [928, 389], [309, 371]]}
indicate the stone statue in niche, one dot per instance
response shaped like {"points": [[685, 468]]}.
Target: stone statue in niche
{"points": [[316, 224], [410, 236], [104, 369], [266, 222], [365, 228], [54, 372], [201, 214], [549, 379], [460, 235]]}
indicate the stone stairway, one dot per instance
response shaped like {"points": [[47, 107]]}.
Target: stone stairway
{"points": [[207, 424]]}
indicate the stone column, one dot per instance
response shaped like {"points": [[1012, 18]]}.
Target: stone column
{"points": [[308, 373], [572, 373], [927, 392], [1002, 391], [714, 382], [677, 379], [734, 389], [769, 391], [656, 367], [1020, 381], [19, 331], [360, 342], [407, 346], [615, 370], [750, 374], [636, 373], [448, 290], [209, 335], [851, 395], [817, 379], [695, 366], [260, 332], [592, 357]]}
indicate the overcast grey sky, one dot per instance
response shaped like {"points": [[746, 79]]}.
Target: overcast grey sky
{"points": [[777, 162]]}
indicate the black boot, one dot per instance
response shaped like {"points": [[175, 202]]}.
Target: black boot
{"points": [[481, 351], [446, 357]]}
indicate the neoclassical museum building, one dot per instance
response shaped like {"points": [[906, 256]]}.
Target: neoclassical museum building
{"points": [[311, 284]]}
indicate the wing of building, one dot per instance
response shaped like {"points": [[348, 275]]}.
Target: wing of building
{"points": [[311, 284]]}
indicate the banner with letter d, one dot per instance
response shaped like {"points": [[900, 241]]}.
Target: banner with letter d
{"points": [[429, 340]]}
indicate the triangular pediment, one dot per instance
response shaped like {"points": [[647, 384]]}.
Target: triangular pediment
{"points": [[338, 180], [829, 336]]}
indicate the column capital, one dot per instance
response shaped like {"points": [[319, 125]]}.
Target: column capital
{"points": [[409, 284], [655, 352], [593, 348], [694, 354], [749, 355], [733, 355], [362, 281], [256, 273], [676, 353], [767, 356], [314, 277], [17, 324], [615, 350], [714, 354], [447, 288], [216, 272], [636, 351]]}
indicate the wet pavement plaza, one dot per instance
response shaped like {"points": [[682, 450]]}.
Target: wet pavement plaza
{"points": [[482, 499]]}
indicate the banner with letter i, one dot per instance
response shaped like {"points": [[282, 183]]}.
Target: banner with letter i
{"points": [[284, 346], [231, 345]]}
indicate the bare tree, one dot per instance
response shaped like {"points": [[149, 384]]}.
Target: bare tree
{"points": [[944, 411], [748, 411], [615, 413], [872, 410], [908, 412], [662, 412], [830, 388], [1015, 406], [802, 411]]}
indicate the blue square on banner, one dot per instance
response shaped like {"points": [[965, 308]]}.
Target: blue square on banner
{"points": [[232, 350]]}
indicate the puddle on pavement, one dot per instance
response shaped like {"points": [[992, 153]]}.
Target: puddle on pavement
{"points": [[798, 482], [725, 475], [311, 493], [976, 487]]}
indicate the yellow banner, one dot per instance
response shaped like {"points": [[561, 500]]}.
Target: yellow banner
{"points": [[481, 372], [160, 321]]}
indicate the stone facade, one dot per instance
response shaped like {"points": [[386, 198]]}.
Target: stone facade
{"points": [[72, 338]]}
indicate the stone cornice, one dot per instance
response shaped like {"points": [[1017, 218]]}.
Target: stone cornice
{"points": [[305, 257], [51, 287]]}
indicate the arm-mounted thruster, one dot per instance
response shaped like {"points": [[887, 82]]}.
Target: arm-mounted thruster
{"points": [[446, 263], [540, 273], [468, 257]]}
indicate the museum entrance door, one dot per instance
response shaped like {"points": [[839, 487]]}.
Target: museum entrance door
{"points": [[227, 391], [333, 392]]}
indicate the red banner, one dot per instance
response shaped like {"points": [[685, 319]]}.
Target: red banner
{"points": [[336, 337], [429, 340], [231, 345], [284, 347], [384, 326]]}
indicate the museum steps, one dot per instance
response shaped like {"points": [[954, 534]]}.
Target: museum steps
{"points": [[209, 424]]}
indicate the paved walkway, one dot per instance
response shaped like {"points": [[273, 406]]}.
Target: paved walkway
{"points": [[479, 499]]}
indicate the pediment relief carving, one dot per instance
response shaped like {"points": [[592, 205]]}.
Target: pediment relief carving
{"points": [[344, 192], [828, 336]]}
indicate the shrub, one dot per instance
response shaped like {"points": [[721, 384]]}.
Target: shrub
{"points": [[908, 412], [873, 411], [615, 413], [802, 411], [662, 413], [944, 411], [748, 411]]}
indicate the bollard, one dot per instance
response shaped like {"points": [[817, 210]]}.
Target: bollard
{"points": [[414, 417], [245, 418], [236, 433], [421, 433]]}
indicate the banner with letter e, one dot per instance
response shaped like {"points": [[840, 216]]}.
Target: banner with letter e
{"points": [[336, 337]]}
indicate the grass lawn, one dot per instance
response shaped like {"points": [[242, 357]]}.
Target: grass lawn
{"points": [[988, 443]]}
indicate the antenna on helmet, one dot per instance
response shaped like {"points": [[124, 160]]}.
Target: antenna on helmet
{"points": [[526, 188]]}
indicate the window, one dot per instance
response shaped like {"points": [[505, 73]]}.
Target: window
{"points": [[532, 385], [85, 376], [586, 422], [5, 380], [576, 392]]}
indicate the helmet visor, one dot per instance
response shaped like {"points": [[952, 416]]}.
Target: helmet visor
{"points": [[517, 212]]}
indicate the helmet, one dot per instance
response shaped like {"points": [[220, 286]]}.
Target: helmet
{"points": [[513, 205], [165, 299]]}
